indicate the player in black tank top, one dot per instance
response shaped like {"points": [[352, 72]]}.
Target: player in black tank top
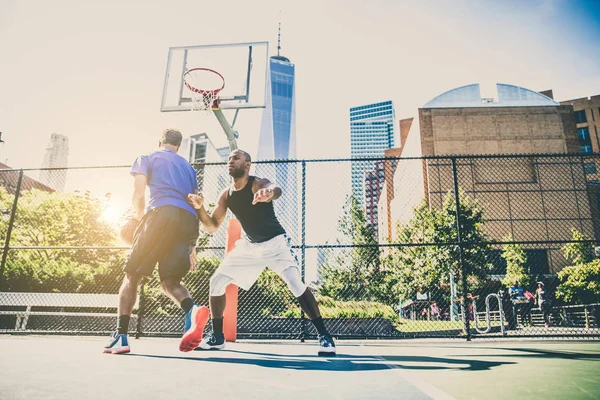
{"points": [[250, 199], [259, 221]]}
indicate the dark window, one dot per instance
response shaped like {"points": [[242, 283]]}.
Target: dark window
{"points": [[498, 263], [586, 149], [580, 116], [584, 135], [537, 262]]}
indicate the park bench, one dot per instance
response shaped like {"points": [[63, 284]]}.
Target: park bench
{"points": [[77, 301]]}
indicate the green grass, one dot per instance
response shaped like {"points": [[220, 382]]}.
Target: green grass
{"points": [[406, 325]]}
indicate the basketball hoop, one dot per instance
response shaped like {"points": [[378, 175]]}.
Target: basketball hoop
{"points": [[205, 85]]}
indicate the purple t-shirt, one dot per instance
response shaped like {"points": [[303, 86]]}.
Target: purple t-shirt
{"points": [[170, 179]]}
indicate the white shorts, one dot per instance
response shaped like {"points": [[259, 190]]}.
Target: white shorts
{"points": [[247, 260]]}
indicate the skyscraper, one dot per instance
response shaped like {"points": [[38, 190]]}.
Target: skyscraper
{"points": [[277, 140], [371, 133], [57, 154]]}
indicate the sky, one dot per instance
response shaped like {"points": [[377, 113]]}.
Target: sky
{"points": [[94, 71]]}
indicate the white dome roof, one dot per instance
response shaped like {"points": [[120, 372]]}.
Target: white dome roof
{"points": [[508, 96]]}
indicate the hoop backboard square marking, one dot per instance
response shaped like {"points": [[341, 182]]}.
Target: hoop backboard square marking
{"points": [[243, 66]]}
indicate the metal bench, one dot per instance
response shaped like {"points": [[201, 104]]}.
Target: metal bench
{"points": [[62, 300]]}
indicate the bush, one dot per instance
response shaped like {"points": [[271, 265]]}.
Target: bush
{"points": [[331, 308]]}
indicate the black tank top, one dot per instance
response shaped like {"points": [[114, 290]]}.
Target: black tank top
{"points": [[258, 221]]}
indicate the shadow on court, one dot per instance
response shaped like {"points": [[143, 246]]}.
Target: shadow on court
{"points": [[340, 363], [546, 354]]}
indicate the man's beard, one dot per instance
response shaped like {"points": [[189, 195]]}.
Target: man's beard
{"points": [[236, 172]]}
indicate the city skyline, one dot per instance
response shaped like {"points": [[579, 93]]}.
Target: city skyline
{"points": [[102, 87], [57, 156], [110, 87], [371, 133]]}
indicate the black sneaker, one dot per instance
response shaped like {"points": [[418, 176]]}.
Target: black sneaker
{"points": [[326, 346], [212, 342]]}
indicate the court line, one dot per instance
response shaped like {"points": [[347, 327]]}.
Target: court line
{"points": [[427, 388]]}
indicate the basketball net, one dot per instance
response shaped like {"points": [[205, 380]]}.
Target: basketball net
{"points": [[204, 101], [204, 85]]}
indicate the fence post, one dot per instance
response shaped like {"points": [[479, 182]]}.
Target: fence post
{"points": [[303, 235], [141, 310], [463, 270], [11, 223]]}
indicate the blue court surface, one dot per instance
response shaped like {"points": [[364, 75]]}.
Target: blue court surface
{"points": [[74, 367]]}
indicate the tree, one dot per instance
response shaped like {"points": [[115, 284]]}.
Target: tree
{"points": [[516, 264], [421, 264], [353, 274], [580, 283], [578, 251], [63, 220]]}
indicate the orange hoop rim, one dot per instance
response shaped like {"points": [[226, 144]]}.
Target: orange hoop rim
{"points": [[203, 91]]}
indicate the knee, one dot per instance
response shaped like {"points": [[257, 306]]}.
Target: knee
{"points": [[167, 285], [291, 277], [130, 281], [218, 284]]}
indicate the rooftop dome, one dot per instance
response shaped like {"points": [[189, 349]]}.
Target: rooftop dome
{"points": [[508, 96]]}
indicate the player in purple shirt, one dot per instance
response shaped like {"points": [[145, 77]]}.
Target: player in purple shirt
{"points": [[166, 235]]}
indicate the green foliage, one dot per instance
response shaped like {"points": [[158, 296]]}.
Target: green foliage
{"points": [[577, 252], [62, 220], [580, 283], [427, 268], [331, 308], [516, 264], [353, 274]]}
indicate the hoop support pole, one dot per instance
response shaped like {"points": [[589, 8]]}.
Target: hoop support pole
{"points": [[229, 132]]}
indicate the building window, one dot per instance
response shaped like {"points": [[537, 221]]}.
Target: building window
{"points": [[537, 262], [586, 149], [583, 134], [580, 116]]}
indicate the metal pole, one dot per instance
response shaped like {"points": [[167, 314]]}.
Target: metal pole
{"points": [[229, 132], [11, 223], [463, 270], [303, 233]]}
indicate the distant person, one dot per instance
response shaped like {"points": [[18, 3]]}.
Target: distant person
{"points": [[250, 198], [516, 291], [435, 312], [166, 235], [509, 310], [526, 308], [544, 303], [516, 294]]}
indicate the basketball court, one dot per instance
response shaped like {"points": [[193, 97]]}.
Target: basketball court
{"points": [[74, 367]]}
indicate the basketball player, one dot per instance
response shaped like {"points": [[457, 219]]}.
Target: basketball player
{"points": [[166, 235], [250, 199]]}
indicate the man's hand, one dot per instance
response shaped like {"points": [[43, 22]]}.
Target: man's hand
{"points": [[196, 200], [263, 195], [193, 260]]}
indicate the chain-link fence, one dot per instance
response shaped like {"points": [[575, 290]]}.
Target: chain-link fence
{"points": [[415, 247]]}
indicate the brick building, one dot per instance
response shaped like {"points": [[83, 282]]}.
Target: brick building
{"points": [[532, 199]]}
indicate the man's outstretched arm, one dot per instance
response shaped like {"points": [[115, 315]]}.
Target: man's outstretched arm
{"points": [[210, 222], [265, 191]]}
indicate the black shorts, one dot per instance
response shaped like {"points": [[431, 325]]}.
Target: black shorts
{"points": [[166, 235]]}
